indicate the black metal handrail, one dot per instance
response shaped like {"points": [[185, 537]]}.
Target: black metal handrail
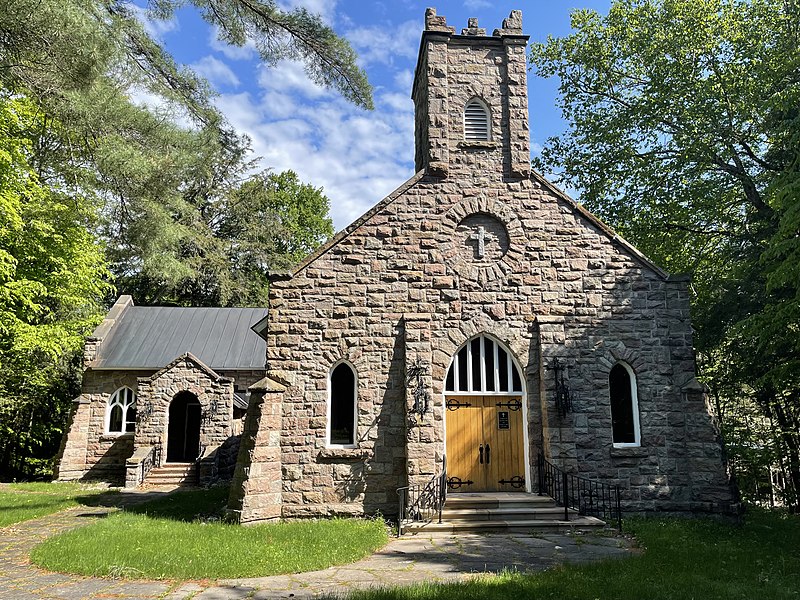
{"points": [[422, 503], [587, 496]]}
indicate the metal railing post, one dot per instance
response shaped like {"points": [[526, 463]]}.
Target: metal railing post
{"points": [[540, 471], [565, 491]]}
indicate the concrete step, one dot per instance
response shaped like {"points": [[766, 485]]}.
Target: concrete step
{"points": [[172, 474], [505, 514], [515, 526], [509, 512], [465, 501]]}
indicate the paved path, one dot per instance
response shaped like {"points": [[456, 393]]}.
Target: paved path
{"points": [[402, 561]]}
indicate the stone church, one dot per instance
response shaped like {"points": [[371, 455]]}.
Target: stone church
{"points": [[474, 320]]}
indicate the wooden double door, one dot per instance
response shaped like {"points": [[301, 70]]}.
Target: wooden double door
{"points": [[485, 444]]}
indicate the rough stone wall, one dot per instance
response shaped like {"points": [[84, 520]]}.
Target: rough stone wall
{"points": [[408, 282], [185, 374], [89, 452], [256, 490], [574, 294]]}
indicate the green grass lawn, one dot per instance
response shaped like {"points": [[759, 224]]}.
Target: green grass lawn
{"points": [[165, 539], [681, 560], [24, 501]]}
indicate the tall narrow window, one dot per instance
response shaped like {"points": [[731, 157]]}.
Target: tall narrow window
{"points": [[476, 121], [624, 406], [121, 411], [342, 407]]}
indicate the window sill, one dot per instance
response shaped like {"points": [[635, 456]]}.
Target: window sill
{"points": [[344, 454], [629, 452], [478, 145], [113, 437]]}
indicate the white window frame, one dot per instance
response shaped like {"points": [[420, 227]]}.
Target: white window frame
{"points": [[487, 113], [511, 363], [124, 401], [328, 443], [637, 436]]}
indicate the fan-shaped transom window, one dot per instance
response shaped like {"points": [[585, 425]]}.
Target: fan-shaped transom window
{"points": [[624, 406], [342, 406], [476, 121], [121, 411], [482, 366]]}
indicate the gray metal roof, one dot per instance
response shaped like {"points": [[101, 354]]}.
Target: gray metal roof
{"points": [[241, 400], [149, 337]]}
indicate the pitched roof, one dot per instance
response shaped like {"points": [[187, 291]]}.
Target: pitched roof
{"points": [[150, 337]]}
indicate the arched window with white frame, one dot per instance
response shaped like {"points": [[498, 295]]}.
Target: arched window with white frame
{"points": [[121, 411], [483, 365], [477, 125], [624, 406], [342, 405]]}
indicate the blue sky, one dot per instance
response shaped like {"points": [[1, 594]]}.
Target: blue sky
{"points": [[356, 156]]}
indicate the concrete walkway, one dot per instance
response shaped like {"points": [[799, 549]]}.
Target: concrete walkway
{"points": [[403, 561]]}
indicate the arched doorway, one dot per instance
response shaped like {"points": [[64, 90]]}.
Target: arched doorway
{"points": [[485, 419], [183, 433]]}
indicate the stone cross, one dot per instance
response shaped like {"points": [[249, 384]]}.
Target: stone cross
{"points": [[480, 237]]}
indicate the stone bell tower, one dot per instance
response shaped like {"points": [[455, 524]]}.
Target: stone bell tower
{"points": [[457, 77]]}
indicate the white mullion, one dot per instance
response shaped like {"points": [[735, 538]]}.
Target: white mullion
{"points": [[508, 372], [469, 366], [456, 374], [483, 363], [496, 367]]}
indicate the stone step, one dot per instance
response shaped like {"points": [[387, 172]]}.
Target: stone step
{"points": [[172, 474], [176, 466], [465, 501], [515, 526], [505, 513]]}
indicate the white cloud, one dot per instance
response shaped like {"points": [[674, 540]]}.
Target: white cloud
{"points": [[382, 44], [476, 4], [356, 156], [155, 28], [398, 102], [324, 8], [289, 76], [404, 80], [246, 52], [160, 106], [216, 71]]}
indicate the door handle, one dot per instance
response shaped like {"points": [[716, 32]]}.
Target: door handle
{"points": [[480, 454], [488, 455]]}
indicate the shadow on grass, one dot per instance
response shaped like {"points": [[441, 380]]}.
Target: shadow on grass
{"points": [[187, 506]]}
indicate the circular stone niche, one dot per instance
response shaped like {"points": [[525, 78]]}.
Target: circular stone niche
{"points": [[481, 240]]}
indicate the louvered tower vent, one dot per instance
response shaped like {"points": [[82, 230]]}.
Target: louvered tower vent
{"points": [[476, 121]]}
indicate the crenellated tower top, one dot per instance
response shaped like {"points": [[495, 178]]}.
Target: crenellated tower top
{"points": [[470, 97]]}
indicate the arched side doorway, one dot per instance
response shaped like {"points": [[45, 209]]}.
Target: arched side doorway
{"points": [[485, 419], [183, 433]]}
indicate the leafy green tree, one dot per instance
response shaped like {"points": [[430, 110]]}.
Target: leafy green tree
{"points": [[52, 284], [92, 177], [270, 223], [160, 171], [683, 136]]}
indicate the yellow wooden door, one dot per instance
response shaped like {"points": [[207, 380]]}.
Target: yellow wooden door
{"points": [[485, 450], [504, 437], [465, 471]]}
